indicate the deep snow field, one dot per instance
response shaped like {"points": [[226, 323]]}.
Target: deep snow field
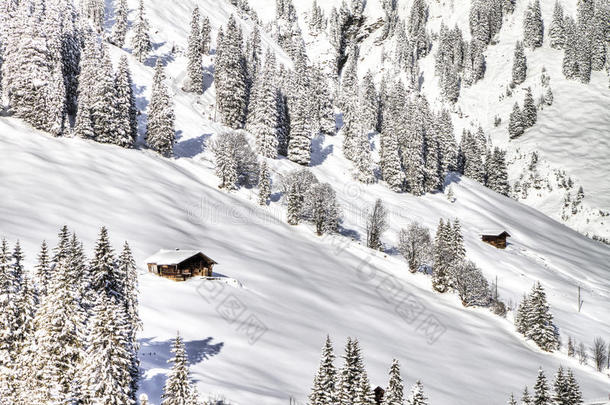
{"points": [[298, 287]]}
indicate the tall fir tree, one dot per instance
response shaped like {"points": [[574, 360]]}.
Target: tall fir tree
{"points": [[516, 126], [194, 66], [204, 36], [178, 389], [519, 64], [126, 105], [394, 393], [119, 29], [264, 184], [264, 107], [539, 320], [107, 363], [556, 30], [533, 26], [530, 112], [325, 381], [160, 133], [417, 396], [231, 77], [141, 37], [541, 390], [104, 112]]}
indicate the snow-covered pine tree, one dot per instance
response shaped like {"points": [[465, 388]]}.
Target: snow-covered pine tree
{"points": [[126, 105], [516, 126], [434, 176], [411, 140], [160, 133], [526, 399], [264, 184], [204, 35], [363, 160], [32, 70], [324, 110], [141, 38], [128, 271], [574, 392], [519, 71], [349, 375], [496, 173], [533, 26], [556, 31], [53, 367], [584, 11], [325, 381], [418, 18], [470, 157], [104, 111], [364, 392], [569, 63], [598, 33], [446, 139], [107, 362], [542, 395], [231, 77], [194, 66], [391, 169], [95, 11], [443, 257], [106, 279], [294, 205], [511, 400], [299, 145], [583, 53], [560, 394], [265, 125], [119, 29], [43, 269], [368, 103], [548, 96], [394, 393], [530, 112], [417, 396], [178, 388], [540, 321]]}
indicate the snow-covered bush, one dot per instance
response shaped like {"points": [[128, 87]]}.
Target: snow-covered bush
{"points": [[415, 244], [321, 208], [236, 162], [470, 284]]}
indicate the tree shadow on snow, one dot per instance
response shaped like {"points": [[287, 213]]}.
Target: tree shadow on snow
{"points": [[350, 233], [319, 153], [154, 356], [191, 147]]}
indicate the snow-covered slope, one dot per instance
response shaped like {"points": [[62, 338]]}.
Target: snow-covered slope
{"points": [[299, 286]]}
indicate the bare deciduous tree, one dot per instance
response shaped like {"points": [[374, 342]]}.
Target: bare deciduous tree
{"points": [[599, 353]]}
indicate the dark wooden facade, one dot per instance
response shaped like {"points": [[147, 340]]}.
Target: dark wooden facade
{"points": [[498, 241], [196, 265]]}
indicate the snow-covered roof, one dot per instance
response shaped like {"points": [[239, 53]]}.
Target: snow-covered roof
{"points": [[494, 232], [172, 257]]}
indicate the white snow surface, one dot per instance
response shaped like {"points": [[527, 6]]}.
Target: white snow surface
{"points": [[301, 287]]}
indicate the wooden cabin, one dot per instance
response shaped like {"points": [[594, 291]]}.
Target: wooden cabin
{"points": [[495, 238], [180, 264]]}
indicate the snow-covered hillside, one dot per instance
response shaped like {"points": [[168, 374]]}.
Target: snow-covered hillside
{"points": [[299, 287]]}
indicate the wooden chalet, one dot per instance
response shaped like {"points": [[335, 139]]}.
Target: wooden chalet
{"points": [[496, 238], [180, 264]]}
